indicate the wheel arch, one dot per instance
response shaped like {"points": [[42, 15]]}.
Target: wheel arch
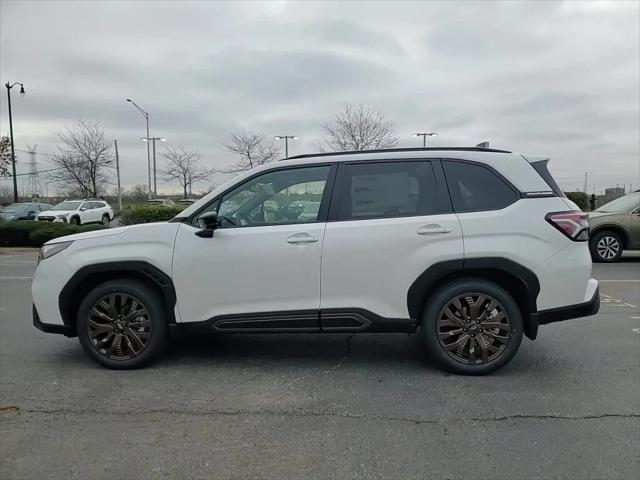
{"points": [[90, 276], [619, 229], [520, 282]]}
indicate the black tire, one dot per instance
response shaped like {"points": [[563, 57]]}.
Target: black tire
{"points": [[105, 220], [432, 328], [606, 247], [156, 338], [74, 221]]}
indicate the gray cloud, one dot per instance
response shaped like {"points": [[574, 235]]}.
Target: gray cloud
{"points": [[560, 78]]}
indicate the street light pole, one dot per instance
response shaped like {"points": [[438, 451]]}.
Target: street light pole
{"points": [[424, 136], [153, 140], [286, 139], [13, 153], [146, 116]]}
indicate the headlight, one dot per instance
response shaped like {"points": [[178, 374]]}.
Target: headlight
{"points": [[50, 250]]}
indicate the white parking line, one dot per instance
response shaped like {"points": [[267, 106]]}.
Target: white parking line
{"points": [[15, 278]]}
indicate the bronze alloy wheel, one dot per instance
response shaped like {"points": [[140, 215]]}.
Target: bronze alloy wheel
{"points": [[119, 326], [474, 328]]}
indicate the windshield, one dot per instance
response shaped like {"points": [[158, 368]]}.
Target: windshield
{"points": [[16, 208], [622, 205], [67, 205]]}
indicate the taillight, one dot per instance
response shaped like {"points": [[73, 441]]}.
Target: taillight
{"points": [[574, 224]]}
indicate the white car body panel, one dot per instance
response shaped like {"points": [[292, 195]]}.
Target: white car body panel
{"points": [[373, 263], [520, 233], [151, 242], [246, 270]]}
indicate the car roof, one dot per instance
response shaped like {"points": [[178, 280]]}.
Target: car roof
{"points": [[395, 150]]}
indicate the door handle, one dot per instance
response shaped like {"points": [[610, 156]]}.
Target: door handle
{"points": [[433, 228], [302, 238]]}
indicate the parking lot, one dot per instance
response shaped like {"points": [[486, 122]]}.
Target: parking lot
{"points": [[309, 406]]}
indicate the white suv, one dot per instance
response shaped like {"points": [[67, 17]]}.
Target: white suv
{"points": [[471, 247], [79, 212]]}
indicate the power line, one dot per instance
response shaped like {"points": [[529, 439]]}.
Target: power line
{"points": [[37, 153]]}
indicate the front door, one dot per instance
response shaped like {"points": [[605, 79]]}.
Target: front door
{"points": [[261, 269], [390, 221]]}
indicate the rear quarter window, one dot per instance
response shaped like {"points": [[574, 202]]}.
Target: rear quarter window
{"points": [[474, 187]]}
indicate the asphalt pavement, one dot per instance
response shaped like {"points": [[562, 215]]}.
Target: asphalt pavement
{"points": [[312, 406]]}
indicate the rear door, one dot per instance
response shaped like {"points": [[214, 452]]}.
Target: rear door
{"points": [[389, 221]]}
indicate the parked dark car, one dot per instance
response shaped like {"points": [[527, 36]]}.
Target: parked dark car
{"points": [[22, 211]]}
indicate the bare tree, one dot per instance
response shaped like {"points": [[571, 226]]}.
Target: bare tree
{"points": [[253, 149], [183, 167], [138, 193], [84, 159], [359, 128], [5, 156], [6, 193]]}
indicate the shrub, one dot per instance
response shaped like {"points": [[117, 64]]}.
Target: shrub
{"points": [[579, 198], [34, 234], [148, 214], [16, 233]]}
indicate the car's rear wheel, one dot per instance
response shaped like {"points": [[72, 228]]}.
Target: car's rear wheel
{"points": [[105, 220], [121, 324], [606, 246], [472, 327]]}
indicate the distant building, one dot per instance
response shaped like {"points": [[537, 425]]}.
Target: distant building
{"points": [[610, 194]]}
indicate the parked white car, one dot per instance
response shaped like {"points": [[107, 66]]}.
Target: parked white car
{"points": [[470, 247], [79, 212]]}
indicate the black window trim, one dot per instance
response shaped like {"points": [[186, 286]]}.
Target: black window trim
{"points": [[324, 203], [443, 202], [518, 194]]}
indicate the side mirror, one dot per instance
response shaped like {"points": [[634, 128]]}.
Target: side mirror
{"points": [[82, 209], [208, 222]]}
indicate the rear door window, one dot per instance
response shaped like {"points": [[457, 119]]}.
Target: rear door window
{"points": [[387, 189], [475, 188]]}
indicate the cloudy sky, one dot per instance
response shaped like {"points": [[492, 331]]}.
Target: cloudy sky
{"points": [[558, 78]]}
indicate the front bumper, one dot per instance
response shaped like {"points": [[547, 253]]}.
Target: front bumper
{"points": [[49, 327], [559, 314]]}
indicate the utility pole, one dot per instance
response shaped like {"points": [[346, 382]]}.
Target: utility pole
{"points": [[146, 117], [286, 139], [118, 174], [424, 136], [155, 179], [33, 184], [13, 153]]}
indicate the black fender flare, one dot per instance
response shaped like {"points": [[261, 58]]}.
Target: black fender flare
{"points": [[510, 271], [80, 283]]}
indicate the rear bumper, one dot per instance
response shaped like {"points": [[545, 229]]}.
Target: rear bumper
{"points": [[49, 327], [560, 314]]}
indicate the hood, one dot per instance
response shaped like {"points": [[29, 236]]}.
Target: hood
{"points": [[596, 214], [107, 232], [50, 213], [10, 214]]}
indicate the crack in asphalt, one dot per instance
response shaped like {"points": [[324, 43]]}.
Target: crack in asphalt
{"points": [[302, 414]]}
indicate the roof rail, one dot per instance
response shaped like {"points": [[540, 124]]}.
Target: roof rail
{"points": [[393, 150]]}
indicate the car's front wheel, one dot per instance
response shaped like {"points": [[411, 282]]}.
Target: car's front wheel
{"points": [[105, 220], [74, 221], [122, 324], [472, 326], [606, 246]]}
